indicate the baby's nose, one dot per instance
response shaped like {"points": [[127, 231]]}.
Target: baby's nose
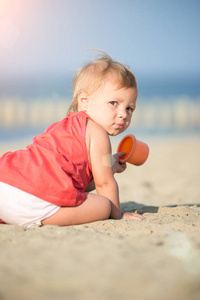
{"points": [[122, 113]]}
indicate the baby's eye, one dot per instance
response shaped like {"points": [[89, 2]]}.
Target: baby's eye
{"points": [[114, 103], [131, 109]]}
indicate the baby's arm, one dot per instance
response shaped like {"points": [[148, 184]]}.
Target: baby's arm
{"points": [[100, 157], [117, 167]]}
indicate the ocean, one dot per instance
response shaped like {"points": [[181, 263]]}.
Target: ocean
{"points": [[167, 105]]}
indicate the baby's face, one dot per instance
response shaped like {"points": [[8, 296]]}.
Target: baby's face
{"points": [[112, 107]]}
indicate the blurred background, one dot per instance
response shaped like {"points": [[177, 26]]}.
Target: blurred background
{"points": [[44, 42]]}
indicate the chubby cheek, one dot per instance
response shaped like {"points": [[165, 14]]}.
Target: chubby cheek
{"points": [[128, 123]]}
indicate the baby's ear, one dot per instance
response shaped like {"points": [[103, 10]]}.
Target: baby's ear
{"points": [[83, 101]]}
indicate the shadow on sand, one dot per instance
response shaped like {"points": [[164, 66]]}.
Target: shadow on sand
{"points": [[141, 208]]}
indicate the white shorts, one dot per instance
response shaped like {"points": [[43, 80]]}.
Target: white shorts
{"points": [[20, 208]]}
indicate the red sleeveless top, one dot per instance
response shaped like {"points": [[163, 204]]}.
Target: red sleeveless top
{"points": [[55, 167]]}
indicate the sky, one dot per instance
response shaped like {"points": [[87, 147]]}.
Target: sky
{"points": [[153, 37]]}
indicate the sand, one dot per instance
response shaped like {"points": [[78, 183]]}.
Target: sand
{"points": [[158, 258]]}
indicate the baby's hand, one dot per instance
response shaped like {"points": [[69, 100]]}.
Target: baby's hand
{"points": [[135, 216], [118, 167]]}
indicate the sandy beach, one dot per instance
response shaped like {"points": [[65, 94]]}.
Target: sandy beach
{"points": [[158, 258]]}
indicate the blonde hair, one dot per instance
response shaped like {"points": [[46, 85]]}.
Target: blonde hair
{"points": [[90, 77]]}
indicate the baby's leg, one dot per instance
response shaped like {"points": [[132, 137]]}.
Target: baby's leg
{"points": [[95, 208]]}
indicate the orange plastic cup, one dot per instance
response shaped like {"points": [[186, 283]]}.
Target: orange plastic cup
{"points": [[137, 152]]}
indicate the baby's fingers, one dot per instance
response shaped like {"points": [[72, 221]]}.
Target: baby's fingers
{"points": [[120, 154], [133, 216]]}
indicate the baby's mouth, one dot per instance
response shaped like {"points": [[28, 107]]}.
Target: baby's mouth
{"points": [[119, 125]]}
